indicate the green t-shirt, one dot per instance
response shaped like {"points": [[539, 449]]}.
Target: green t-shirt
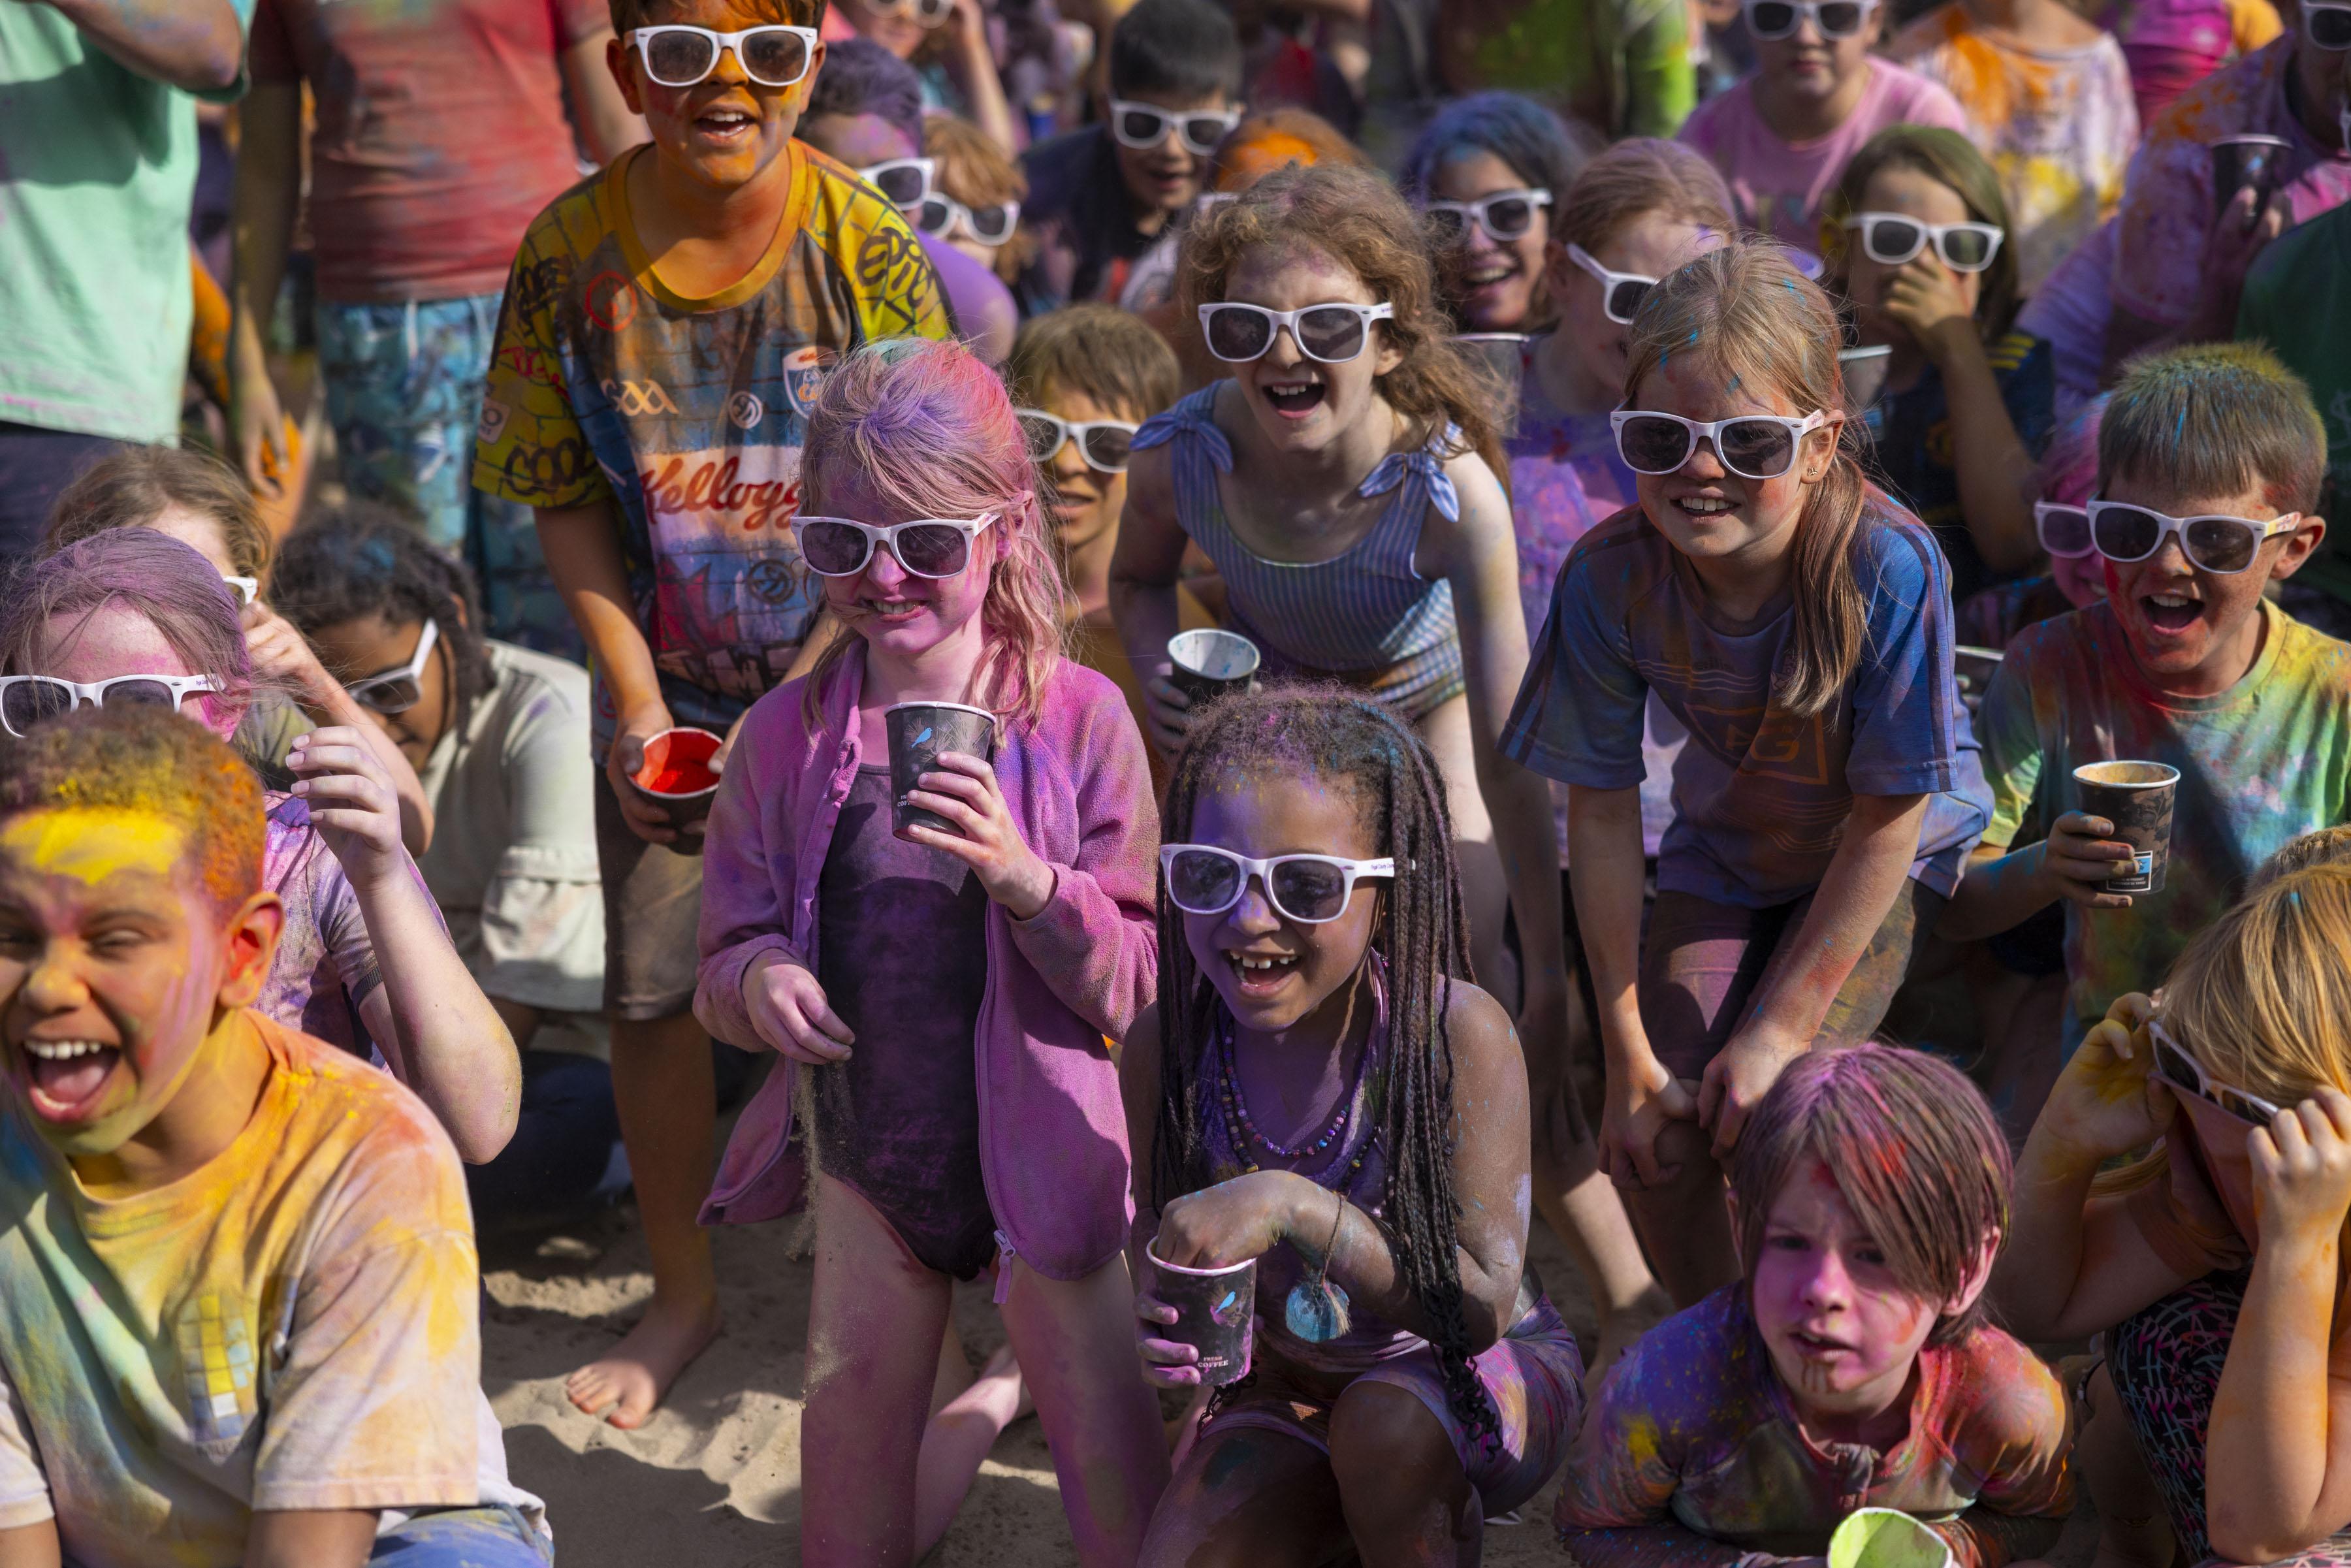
{"points": [[1622, 67], [97, 171], [2297, 299]]}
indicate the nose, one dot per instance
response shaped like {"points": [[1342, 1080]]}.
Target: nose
{"points": [[1069, 463], [885, 569], [1827, 1285], [1284, 351], [1479, 241], [2170, 560], [52, 985], [1703, 464], [1808, 32], [1254, 914], [729, 71]]}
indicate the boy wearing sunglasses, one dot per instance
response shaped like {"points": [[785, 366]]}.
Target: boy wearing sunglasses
{"points": [[2209, 461], [666, 327], [1097, 197]]}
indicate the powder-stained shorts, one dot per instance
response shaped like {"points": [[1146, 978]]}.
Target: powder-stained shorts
{"points": [[653, 907], [1705, 965], [1532, 1375]]}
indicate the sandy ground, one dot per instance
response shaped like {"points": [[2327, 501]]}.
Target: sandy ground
{"points": [[714, 1478]]}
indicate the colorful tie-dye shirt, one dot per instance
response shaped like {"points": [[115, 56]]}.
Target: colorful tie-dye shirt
{"points": [[2058, 126], [291, 1326], [1760, 795], [1693, 1456], [2168, 209], [688, 413], [2263, 763], [325, 965]]}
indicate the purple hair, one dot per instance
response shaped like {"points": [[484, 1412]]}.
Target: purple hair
{"points": [[151, 574], [2069, 469]]}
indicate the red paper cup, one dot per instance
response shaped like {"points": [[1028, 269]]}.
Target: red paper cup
{"points": [[676, 777]]}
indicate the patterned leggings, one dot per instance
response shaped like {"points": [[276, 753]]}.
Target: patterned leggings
{"points": [[2165, 1363]]}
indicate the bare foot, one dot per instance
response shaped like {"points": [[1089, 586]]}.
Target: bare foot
{"points": [[1620, 1328], [624, 1386]]}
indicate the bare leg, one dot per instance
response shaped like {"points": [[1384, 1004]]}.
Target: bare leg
{"points": [[1075, 1339], [1408, 1502], [874, 1320], [954, 1372], [1485, 895], [1685, 1224], [957, 1441], [662, 1088], [1248, 1498]]}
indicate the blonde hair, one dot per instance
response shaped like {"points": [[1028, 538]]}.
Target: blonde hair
{"points": [[1746, 314], [930, 431], [2325, 846], [1638, 175], [133, 487], [973, 170]]}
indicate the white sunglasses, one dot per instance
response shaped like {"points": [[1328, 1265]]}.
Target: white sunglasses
{"points": [[934, 547], [1312, 890], [941, 215], [1770, 20], [677, 55], [1334, 334], [1755, 445], [2064, 529], [2327, 23], [398, 690], [2212, 541], [248, 588], [905, 182], [1503, 216], [1104, 444], [28, 700], [929, 13], [1621, 293], [1142, 126], [1890, 239]]}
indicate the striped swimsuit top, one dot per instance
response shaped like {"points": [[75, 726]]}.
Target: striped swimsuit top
{"points": [[1365, 615]]}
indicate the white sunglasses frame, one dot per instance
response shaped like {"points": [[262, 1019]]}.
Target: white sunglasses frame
{"points": [[884, 536], [1287, 320], [1474, 212], [2308, 7], [915, 9], [92, 694], [2202, 1089], [1806, 11], [2041, 511], [2176, 529], [1608, 281], [411, 671], [1931, 234], [959, 216], [926, 167], [1261, 872], [728, 43], [248, 588], [1075, 430], [1172, 123], [1702, 431]]}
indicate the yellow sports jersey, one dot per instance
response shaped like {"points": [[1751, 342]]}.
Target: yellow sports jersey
{"points": [[689, 413]]}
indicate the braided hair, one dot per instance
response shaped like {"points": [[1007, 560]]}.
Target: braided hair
{"points": [[361, 559], [1340, 736]]}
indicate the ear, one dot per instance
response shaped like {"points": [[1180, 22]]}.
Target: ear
{"points": [[1979, 1276], [1556, 264], [1390, 355], [250, 942], [625, 75], [2299, 545], [1820, 448]]}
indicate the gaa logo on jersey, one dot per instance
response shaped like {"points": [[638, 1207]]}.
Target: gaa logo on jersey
{"points": [[744, 411], [804, 377]]}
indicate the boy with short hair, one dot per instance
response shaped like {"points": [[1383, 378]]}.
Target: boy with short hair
{"points": [[240, 1277], [666, 326], [2183, 662], [1099, 196]]}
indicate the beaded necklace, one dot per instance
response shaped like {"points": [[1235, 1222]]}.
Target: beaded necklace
{"points": [[1242, 1132]]}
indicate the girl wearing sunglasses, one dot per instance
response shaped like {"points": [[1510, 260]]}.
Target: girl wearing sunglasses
{"points": [[1918, 241], [940, 996], [1342, 483], [975, 199], [1488, 174], [1300, 1096], [1799, 624], [2211, 1267]]}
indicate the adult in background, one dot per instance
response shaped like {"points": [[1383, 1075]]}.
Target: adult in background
{"points": [[441, 131], [98, 169]]}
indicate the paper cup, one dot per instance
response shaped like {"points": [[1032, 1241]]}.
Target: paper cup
{"points": [[2137, 797], [1887, 1538], [1213, 1311], [1864, 376], [2239, 162], [918, 733], [675, 775], [1209, 663]]}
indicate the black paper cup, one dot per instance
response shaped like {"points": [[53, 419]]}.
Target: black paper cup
{"points": [[918, 733], [1209, 663], [2136, 797], [675, 775], [2239, 162], [1214, 1308]]}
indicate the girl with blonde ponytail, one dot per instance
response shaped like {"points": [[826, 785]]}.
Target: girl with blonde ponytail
{"points": [[1798, 624]]}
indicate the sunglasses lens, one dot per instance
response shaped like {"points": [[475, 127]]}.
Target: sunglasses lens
{"points": [[1650, 443], [931, 13], [1892, 241], [1043, 435], [1108, 449], [993, 225], [678, 60], [137, 693], [1311, 891], [29, 702], [1202, 883], [933, 215], [2221, 544], [1140, 127], [396, 696], [1772, 19], [2327, 27], [1840, 19], [2125, 533], [932, 549], [1968, 250], [776, 56], [902, 183], [2065, 530], [1237, 334], [1759, 449], [1202, 132], [832, 549], [1509, 217], [1331, 333], [1624, 300]]}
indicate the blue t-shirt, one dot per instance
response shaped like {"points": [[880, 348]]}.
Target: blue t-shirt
{"points": [[1760, 795]]}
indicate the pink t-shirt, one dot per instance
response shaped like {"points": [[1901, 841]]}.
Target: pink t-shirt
{"points": [[1780, 186]]}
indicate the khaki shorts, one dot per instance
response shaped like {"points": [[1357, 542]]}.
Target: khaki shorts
{"points": [[652, 905]]}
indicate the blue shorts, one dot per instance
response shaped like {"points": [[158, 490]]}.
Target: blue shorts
{"points": [[496, 1536]]}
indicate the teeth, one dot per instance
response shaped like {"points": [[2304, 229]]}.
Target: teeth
{"points": [[2171, 600], [64, 1050], [1705, 505], [1246, 962]]}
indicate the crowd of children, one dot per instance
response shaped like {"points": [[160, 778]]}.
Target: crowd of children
{"points": [[1711, 571]]}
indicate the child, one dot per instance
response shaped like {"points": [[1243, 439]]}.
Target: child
{"points": [[2065, 484], [2213, 1264], [1783, 133], [496, 733], [1409, 1376], [1799, 625], [665, 329], [946, 1033], [240, 1276], [1490, 171], [2048, 98], [1099, 197], [364, 962], [2183, 663], [1850, 1365], [948, 40], [1918, 235], [975, 205]]}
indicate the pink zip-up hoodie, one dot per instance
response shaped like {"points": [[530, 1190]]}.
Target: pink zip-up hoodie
{"points": [[1052, 1136]]}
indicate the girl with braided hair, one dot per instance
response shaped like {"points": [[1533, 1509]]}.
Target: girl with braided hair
{"points": [[1322, 1089]]}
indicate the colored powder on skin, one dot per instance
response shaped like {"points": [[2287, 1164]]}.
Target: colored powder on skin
{"points": [[92, 843]]}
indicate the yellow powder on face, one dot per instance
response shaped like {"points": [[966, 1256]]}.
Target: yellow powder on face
{"points": [[92, 843]]}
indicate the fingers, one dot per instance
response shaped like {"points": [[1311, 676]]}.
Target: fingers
{"points": [[1728, 1127], [310, 757], [1711, 1090], [1150, 1309], [2333, 1108]]}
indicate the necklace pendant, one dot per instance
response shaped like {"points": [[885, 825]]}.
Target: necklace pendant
{"points": [[1315, 1312]]}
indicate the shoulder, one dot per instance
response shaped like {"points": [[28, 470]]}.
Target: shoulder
{"points": [[1622, 541], [338, 1097], [538, 677], [2304, 647], [1084, 707], [1910, 98], [1693, 1359], [1474, 481], [570, 225], [1928, 33], [2225, 101], [843, 212], [2045, 645], [1895, 546], [1701, 129], [2004, 1398]]}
